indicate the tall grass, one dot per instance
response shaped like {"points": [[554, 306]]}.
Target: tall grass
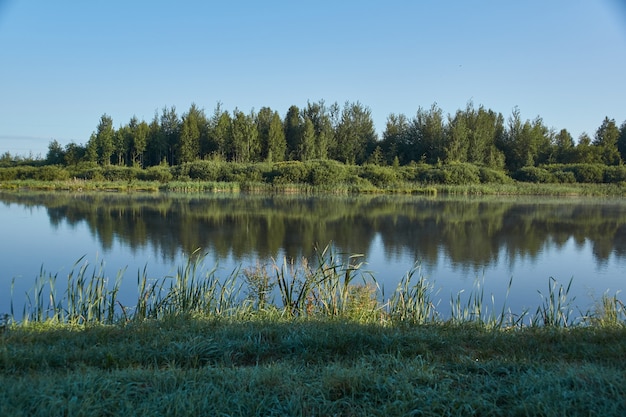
{"points": [[331, 285]]}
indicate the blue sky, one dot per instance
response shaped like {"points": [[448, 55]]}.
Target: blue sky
{"points": [[65, 63]]}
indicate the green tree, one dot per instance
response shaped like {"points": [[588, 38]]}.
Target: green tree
{"points": [[137, 140], [356, 137], [585, 152], [244, 138], [293, 132], [277, 144], [74, 153], [395, 139], [156, 145], [263, 122], [121, 144], [621, 141], [563, 147], [320, 116], [104, 140], [170, 129], [56, 154], [606, 140], [192, 131], [218, 134], [306, 148]]}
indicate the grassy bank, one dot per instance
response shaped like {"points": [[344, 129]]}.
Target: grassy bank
{"points": [[306, 367], [302, 339], [515, 188]]}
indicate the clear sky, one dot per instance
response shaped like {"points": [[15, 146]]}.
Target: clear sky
{"points": [[65, 63]]}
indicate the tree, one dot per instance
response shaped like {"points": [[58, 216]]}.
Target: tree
{"points": [[121, 144], [319, 115], [293, 132], [564, 147], [306, 148], [192, 130], [606, 139], [426, 136], [621, 141], [56, 154], [74, 153], [263, 122], [394, 143], [218, 134], [156, 145], [276, 143], [356, 137], [170, 129], [244, 136], [103, 140]]}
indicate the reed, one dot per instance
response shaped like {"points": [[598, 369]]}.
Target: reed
{"points": [[330, 285]]}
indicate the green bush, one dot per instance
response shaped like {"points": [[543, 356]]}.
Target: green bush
{"points": [[379, 176], [461, 174], [326, 172], [51, 173], [414, 172], [291, 172], [592, 173], [534, 174], [118, 173], [614, 174], [493, 176], [8, 174], [158, 173], [564, 177]]}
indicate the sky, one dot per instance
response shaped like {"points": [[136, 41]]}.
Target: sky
{"points": [[63, 64]]}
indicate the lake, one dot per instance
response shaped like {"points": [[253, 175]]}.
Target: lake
{"points": [[457, 241]]}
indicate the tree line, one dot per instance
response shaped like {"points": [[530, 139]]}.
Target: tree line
{"points": [[345, 133]]}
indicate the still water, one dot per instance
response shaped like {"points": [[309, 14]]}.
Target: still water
{"points": [[456, 241]]}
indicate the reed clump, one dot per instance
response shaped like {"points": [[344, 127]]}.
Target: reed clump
{"points": [[329, 285]]}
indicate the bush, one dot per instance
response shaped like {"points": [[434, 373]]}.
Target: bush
{"points": [[533, 174], [8, 174], [461, 174], [158, 173], [614, 174], [292, 172], [493, 176], [592, 173], [51, 173], [379, 176], [118, 173], [326, 172]]}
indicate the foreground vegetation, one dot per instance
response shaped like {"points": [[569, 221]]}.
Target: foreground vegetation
{"points": [[316, 337]]}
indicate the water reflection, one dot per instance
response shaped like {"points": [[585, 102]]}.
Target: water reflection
{"points": [[468, 234]]}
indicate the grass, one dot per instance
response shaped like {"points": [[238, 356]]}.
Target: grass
{"points": [[363, 187], [309, 338]]}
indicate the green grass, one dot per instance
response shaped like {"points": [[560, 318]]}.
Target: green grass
{"points": [[303, 367], [310, 338], [354, 187]]}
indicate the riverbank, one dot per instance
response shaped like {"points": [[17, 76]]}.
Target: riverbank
{"points": [[516, 188], [303, 367]]}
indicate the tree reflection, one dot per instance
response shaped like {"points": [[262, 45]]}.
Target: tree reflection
{"points": [[471, 232]]}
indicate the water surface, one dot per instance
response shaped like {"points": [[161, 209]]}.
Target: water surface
{"points": [[457, 241]]}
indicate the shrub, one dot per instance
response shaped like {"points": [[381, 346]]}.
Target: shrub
{"points": [[379, 176], [533, 174], [292, 172], [158, 173], [593, 173], [493, 176], [326, 172], [614, 174], [51, 173], [461, 173], [8, 174]]}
